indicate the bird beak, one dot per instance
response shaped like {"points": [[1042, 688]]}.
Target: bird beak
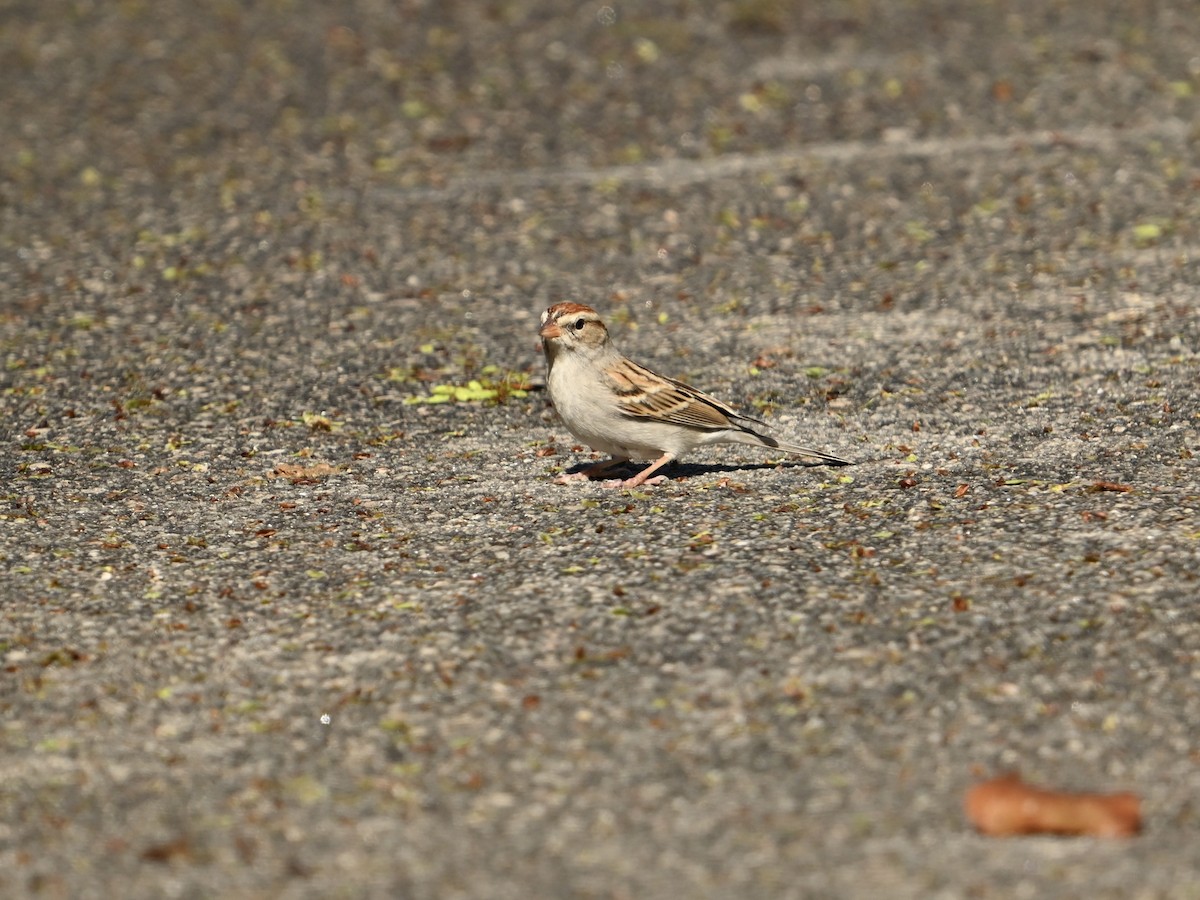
{"points": [[550, 331]]}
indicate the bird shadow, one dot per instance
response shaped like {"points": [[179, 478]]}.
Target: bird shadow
{"points": [[675, 470]]}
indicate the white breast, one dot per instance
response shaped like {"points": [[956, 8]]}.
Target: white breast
{"points": [[588, 409]]}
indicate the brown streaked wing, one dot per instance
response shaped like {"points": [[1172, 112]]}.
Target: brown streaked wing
{"points": [[645, 394]]}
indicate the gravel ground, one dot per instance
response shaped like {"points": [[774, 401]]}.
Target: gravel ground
{"points": [[273, 624]]}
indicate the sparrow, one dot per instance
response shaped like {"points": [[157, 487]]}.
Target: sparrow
{"points": [[618, 407]]}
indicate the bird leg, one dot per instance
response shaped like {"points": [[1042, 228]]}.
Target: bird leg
{"points": [[643, 477]]}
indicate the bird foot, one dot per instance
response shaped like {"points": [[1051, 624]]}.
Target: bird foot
{"points": [[566, 478], [614, 483]]}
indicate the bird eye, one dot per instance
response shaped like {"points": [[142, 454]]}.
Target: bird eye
{"points": [[579, 323]]}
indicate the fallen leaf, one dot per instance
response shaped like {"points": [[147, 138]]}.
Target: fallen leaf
{"points": [[167, 850], [300, 474], [1110, 486], [1007, 806]]}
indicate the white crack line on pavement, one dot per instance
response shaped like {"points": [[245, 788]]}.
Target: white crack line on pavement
{"points": [[679, 173]]}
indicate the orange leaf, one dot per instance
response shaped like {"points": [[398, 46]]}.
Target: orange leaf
{"points": [[1006, 806]]}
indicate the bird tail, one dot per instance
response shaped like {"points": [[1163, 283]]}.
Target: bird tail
{"points": [[769, 440]]}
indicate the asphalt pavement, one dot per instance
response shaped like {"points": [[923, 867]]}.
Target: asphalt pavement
{"points": [[290, 604]]}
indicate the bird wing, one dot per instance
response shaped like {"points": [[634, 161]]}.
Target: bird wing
{"points": [[643, 394]]}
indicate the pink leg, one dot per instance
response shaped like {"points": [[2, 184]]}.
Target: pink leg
{"points": [[643, 477]]}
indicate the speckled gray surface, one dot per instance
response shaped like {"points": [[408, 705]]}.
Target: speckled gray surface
{"points": [[271, 628]]}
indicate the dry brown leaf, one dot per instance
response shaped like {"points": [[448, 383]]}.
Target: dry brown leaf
{"points": [[1110, 486], [298, 473], [1007, 806]]}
